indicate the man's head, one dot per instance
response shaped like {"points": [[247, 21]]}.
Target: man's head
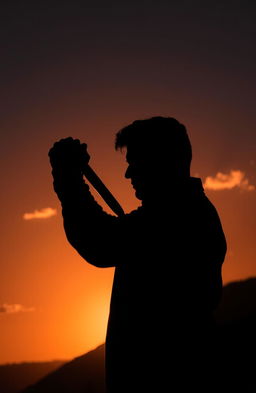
{"points": [[156, 148]]}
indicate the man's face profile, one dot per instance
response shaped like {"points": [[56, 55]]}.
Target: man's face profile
{"points": [[135, 172], [139, 171]]}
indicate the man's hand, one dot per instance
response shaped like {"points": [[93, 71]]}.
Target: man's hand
{"points": [[68, 156]]}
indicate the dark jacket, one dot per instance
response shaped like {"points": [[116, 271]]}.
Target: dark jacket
{"points": [[168, 256]]}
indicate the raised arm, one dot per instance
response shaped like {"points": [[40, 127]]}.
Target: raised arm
{"points": [[96, 235]]}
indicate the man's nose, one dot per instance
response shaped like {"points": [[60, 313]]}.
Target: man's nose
{"points": [[127, 174]]}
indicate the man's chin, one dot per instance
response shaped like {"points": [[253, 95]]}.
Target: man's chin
{"points": [[139, 195]]}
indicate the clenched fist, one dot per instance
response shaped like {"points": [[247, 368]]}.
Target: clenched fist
{"points": [[68, 155]]}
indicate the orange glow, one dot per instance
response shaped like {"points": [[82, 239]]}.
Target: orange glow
{"points": [[41, 271]]}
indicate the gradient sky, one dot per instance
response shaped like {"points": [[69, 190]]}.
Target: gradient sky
{"points": [[86, 69]]}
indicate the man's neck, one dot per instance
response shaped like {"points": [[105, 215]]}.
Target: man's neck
{"points": [[174, 189]]}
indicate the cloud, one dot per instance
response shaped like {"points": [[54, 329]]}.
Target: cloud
{"points": [[14, 308], [227, 181], [39, 214]]}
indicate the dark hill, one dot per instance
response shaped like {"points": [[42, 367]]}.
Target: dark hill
{"points": [[84, 374], [238, 302], [236, 317], [15, 377]]}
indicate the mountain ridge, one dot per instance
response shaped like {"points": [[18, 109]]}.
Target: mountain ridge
{"points": [[17, 376]]}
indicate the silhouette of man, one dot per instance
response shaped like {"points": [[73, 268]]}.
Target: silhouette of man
{"points": [[168, 256]]}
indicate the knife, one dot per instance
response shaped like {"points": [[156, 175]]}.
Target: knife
{"points": [[104, 192]]}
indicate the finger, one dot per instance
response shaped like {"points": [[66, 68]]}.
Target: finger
{"points": [[64, 141], [84, 147], [64, 144]]}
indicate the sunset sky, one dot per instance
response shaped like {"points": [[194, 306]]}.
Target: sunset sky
{"points": [[86, 69]]}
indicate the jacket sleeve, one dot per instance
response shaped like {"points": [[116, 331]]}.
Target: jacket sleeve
{"points": [[96, 235]]}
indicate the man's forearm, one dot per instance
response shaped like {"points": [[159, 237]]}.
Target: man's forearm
{"points": [[88, 228]]}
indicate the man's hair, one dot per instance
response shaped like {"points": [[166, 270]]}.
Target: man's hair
{"points": [[164, 135]]}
